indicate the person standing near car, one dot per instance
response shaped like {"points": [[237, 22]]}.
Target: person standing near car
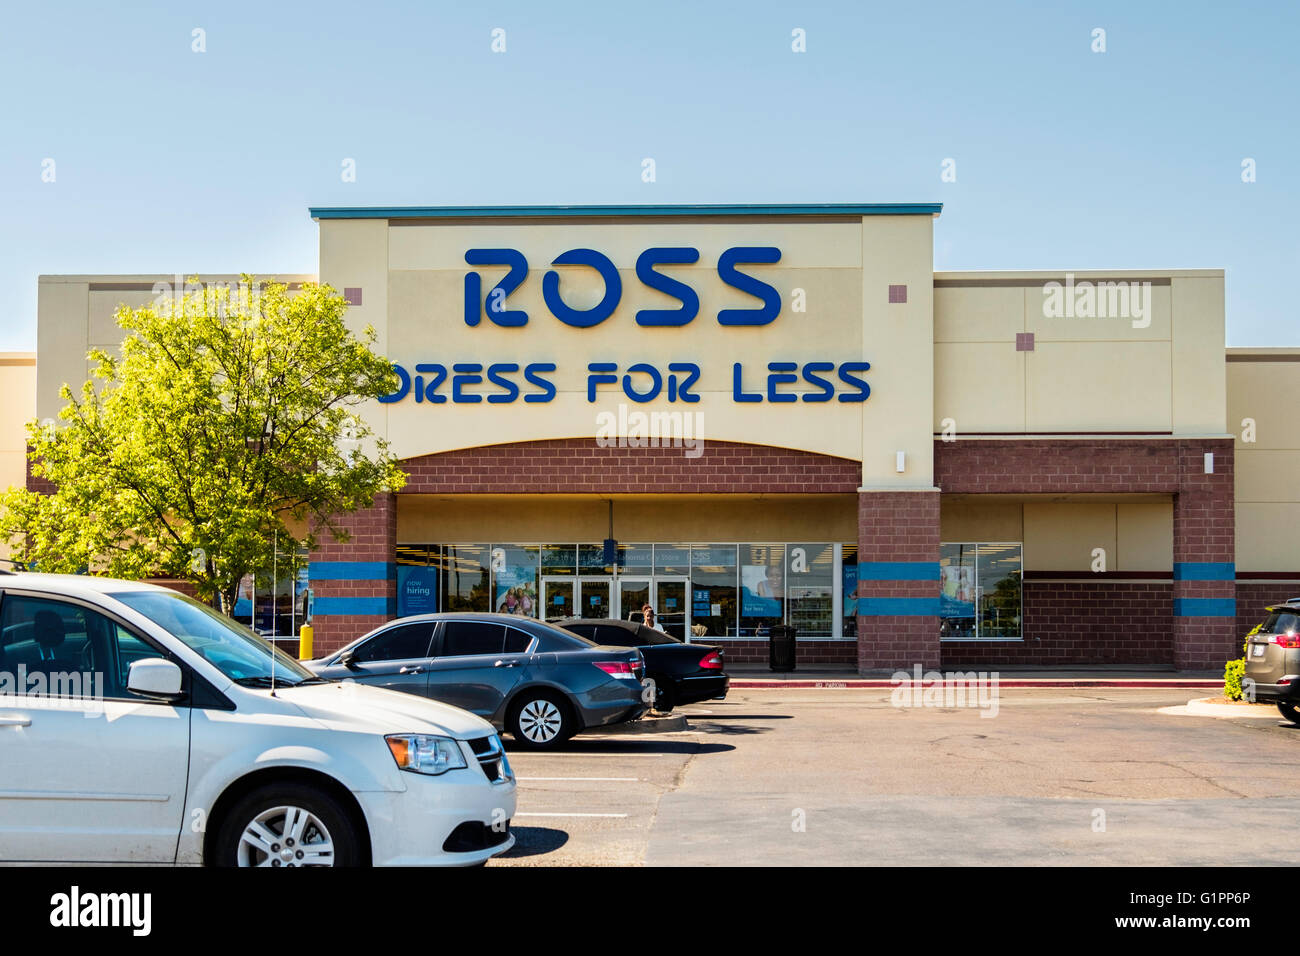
{"points": [[648, 617]]}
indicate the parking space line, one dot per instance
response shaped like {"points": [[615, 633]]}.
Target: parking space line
{"points": [[610, 779], [615, 815], [516, 755]]}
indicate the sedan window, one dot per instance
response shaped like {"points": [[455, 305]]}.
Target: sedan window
{"points": [[404, 642], [616, 636], [582, 630], [517, 641], [467, 638]]}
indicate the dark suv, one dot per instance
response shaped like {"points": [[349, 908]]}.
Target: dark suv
{"points": [[1273, 659]]}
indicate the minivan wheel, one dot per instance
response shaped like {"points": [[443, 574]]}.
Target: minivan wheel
{"points": [[1289, 710], [287, 825], [539, 720]]}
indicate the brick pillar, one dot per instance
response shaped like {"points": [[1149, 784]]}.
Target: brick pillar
{"points": [[354, 583], [898, 580], [1205, 623]]}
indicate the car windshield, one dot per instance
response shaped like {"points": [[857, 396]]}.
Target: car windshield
{"points": [[229, 646]]}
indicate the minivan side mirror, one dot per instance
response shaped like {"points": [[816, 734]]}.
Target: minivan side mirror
{"points": [[154, 677]]}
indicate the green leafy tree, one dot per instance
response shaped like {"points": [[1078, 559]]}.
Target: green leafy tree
{"points": [[228, 421]]}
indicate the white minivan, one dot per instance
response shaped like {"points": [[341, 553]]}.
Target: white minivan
{"points": [[138, 725]]}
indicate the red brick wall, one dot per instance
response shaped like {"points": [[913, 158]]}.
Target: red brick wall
{"points": [[898, 526], [373, 537], [579, 465], [1254, 596], [1082, 621], [1061, 466], [42, 485], [1204, 530]]}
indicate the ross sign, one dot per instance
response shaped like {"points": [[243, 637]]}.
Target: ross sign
{"points": [[472, 383], [445, 380], [494, 304]]}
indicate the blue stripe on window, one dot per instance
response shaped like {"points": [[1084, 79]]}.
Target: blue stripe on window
{"points": [[335, 606], [898, 570], [1204, 571], [898, 607], [1205, 607], [352, 570]]}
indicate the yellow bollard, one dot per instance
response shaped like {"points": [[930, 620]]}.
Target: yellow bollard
{"points": [[304, 643]]}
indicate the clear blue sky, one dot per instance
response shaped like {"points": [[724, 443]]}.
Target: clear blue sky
{"points": [[173, 161]]}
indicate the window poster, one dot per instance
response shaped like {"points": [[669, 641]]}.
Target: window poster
{"points": [[762, 588], [957, 599], [515, 587], [417, 590]]}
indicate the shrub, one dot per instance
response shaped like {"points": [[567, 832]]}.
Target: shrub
{"points": [[1232, 674]]}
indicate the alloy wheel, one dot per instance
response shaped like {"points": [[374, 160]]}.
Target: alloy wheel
{"points": [[540, 720], [285, 836]]}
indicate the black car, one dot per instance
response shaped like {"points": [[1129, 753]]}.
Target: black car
{"points": [[538, 682], [682, 673]]}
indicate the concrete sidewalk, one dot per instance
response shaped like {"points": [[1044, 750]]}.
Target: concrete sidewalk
{"points": [[829, 678]]}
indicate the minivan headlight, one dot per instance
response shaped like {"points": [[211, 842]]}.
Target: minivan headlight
{"points": [[425, 753]]}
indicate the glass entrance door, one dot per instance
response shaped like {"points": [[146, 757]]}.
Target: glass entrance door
{"points": [[557, 598], [594, 597], [633, 594], [672, 609]]}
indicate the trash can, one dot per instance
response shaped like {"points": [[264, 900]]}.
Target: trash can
{"points": [[780, 647]]}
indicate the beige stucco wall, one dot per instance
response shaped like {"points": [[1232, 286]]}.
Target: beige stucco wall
{"points": [[75, 314], [465, 519], [1136, 533], [1083, 374], [1268, 468]]}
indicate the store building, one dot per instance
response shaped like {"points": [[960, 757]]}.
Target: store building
{"points": [[783, 414]]}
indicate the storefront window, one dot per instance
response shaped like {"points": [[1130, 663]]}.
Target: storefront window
{"points": [[849, 583], [514, 579], [274, 604], [673, 559], [417, 579], [591, 559], [559, 559], [635, 558], [999, 568], [713, 591], [463, 574], [980, 596], [810, 587], [762, 587], [698, 591]]}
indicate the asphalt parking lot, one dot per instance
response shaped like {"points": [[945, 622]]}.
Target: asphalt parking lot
{"points": [[810, 777]]}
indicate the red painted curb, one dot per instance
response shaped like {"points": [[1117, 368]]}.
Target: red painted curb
{"points": [[1138, 684]]}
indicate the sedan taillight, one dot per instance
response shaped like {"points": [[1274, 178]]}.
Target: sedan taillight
{"points": [[712, 661], [623, 670]]}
